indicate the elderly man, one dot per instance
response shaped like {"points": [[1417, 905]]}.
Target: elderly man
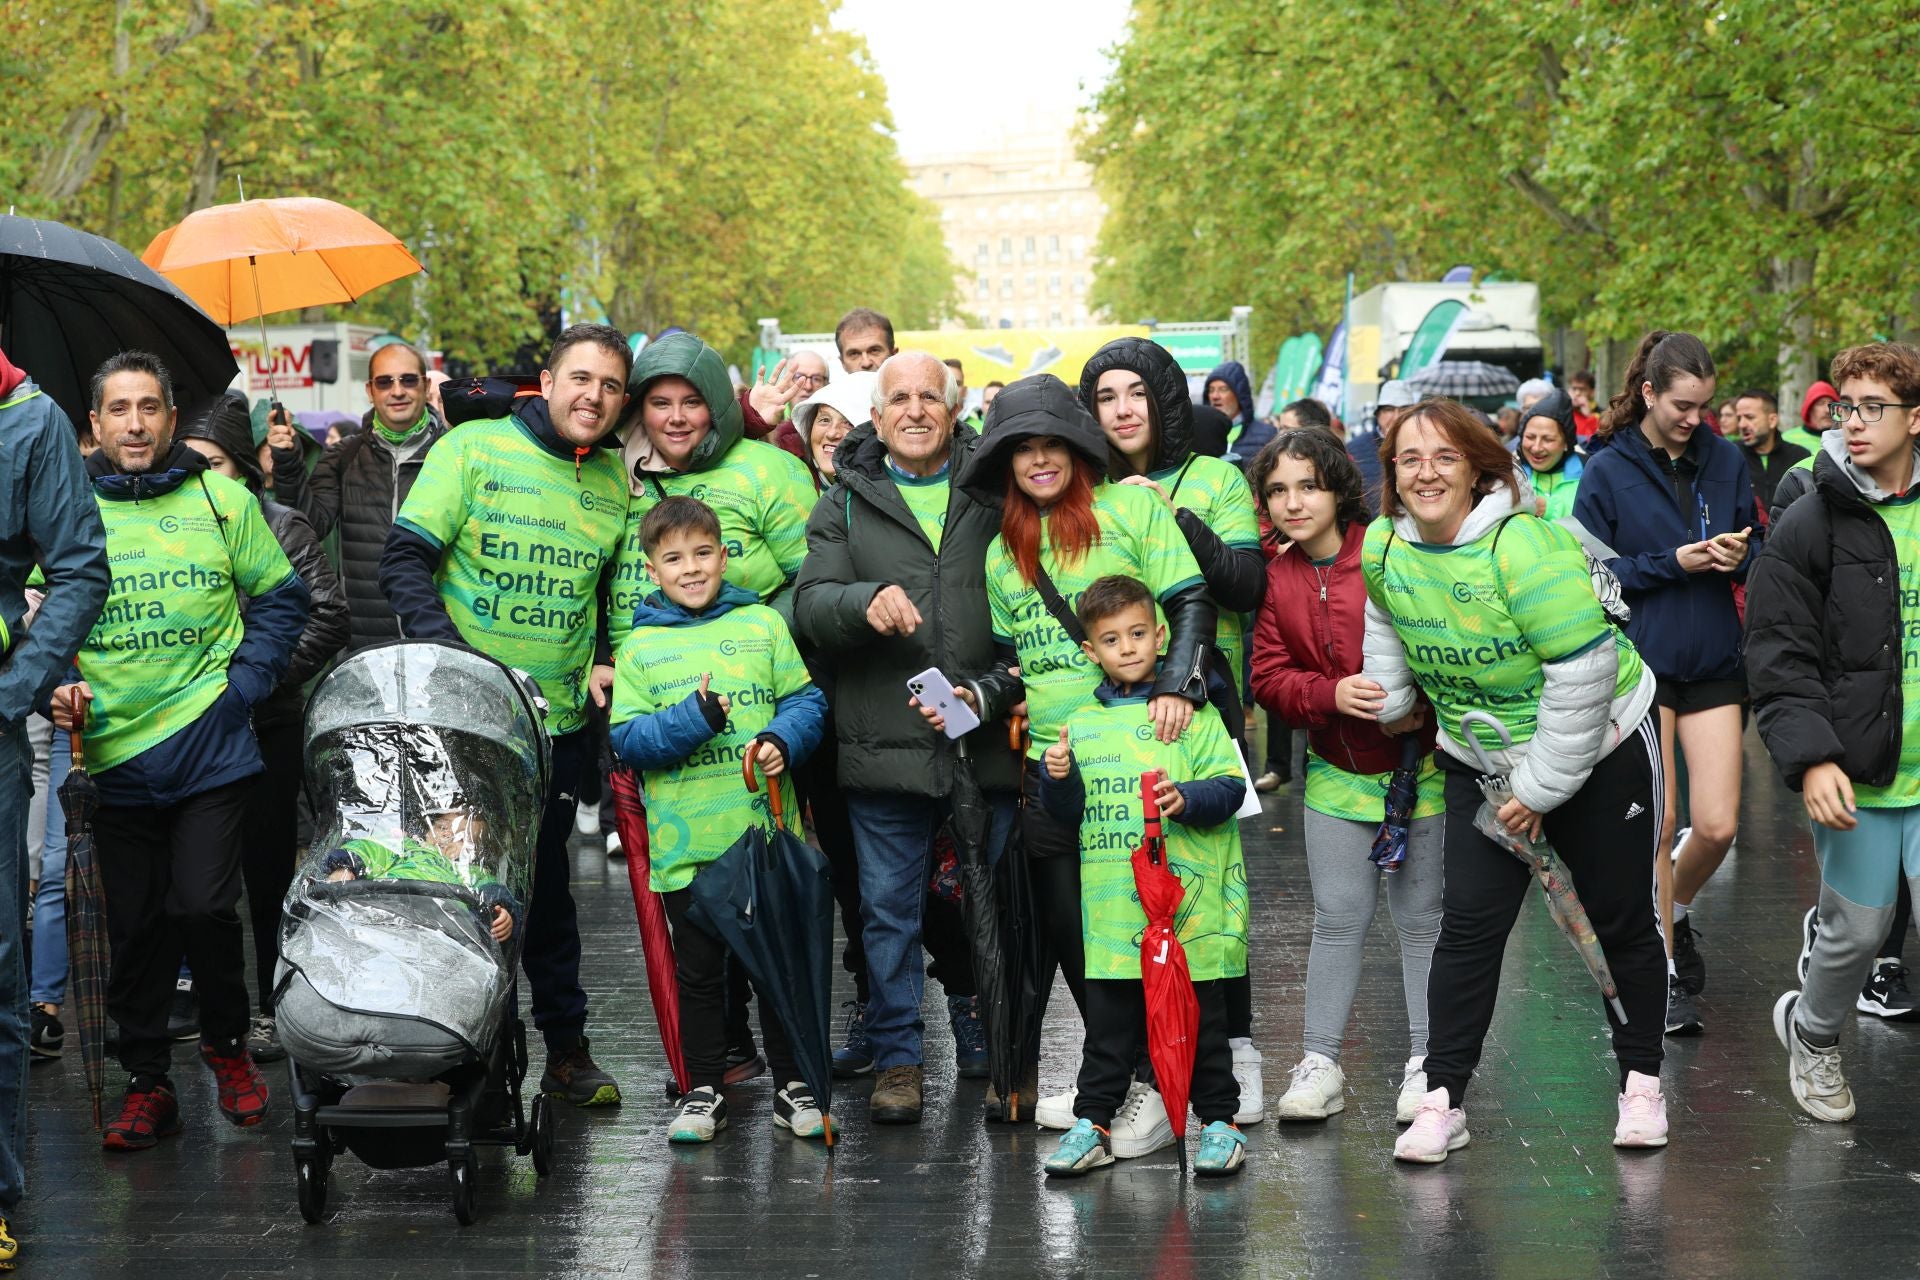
{"points": [[768, 406], [904, 593]]}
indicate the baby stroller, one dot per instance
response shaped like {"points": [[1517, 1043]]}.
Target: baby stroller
{"points": [[427, 765]]}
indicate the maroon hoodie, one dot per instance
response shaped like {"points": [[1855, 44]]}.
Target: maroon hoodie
{"points": [[10, 376]]}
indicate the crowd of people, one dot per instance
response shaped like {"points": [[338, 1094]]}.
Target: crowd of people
{"points": [[1587, 601]]}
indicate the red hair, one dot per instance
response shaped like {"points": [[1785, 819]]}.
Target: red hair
{"points": [[1074, 529]]}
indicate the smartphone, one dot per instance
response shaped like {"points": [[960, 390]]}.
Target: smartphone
{"points": [[936, 691], [1736, 538]]}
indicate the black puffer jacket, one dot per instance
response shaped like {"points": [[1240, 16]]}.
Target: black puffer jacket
{"points": [[1824, 642], [327, 620], [357, 487]]}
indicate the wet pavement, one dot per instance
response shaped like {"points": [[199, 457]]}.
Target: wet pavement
{"points": [[1749, 1185]]}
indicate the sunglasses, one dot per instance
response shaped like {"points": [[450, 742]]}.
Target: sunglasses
{"points": [[385, 381]]}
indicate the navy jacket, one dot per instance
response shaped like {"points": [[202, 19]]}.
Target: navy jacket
{"points": [[1684, 624], [1253, 433]]}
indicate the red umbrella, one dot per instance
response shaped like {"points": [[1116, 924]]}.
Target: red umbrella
{"points": [[656, 940], [1173, 1012]]}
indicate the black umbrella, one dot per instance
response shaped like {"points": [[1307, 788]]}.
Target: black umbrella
{"points": [[1464, 380], [88, 950], [769, 899], [69, 300]]}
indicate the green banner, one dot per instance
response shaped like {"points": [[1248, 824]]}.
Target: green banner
{"points": [[1431, 338], [1196, 352]]}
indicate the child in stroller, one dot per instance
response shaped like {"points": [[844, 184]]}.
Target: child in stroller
{"points": [[446, 858]]}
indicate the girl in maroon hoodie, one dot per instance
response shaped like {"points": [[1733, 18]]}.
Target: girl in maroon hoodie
{"points": [[1306, 663]]}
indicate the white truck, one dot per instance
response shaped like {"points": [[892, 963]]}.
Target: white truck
{"points": [[1501, 326]]}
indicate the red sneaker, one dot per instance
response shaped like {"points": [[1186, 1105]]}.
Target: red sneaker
{"points": [[243, 1090], [146, 1116]]}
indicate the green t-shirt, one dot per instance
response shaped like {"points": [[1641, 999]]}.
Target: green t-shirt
{"points": [[1477, 634], [1903, 522], [1217, 491], [1362, 797], [763, 496], [523, 542], [699, 807], [1113, 745], [416, 861], [927, 499], [157, 655], [1559, 489], [1138, 537]]}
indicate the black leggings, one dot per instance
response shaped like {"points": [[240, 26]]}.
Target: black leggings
{"points": [[1116, 1046], [269, 836], [1053, 866], [1606, 834]]}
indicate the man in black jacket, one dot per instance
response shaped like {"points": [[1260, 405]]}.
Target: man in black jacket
{"points": [[1769, 456], [360, 484]]}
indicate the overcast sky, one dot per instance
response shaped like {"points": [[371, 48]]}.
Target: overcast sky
{"points": [[997, 64]]}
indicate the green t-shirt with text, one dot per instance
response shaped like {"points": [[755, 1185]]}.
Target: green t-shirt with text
{"points": [[1478, 624], [523, 541], [1217, 491], [1362, 797], [699, 807], [157, 655], [1903, 522], [1113, 745], [1138, 538], [927, 499]]}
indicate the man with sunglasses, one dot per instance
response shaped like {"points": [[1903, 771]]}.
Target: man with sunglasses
{"points": [[359, 485]]}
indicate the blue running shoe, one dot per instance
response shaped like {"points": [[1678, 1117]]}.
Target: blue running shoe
{"points": [[969, 1037], [1084, 1147], [855, 1056], [1223, 1149]]}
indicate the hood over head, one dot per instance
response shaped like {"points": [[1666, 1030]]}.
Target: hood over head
{"points": [[1235, 376], [227, 423], [11, 376], [1558, 405], [1166, 383], [682, 355], [1211, 430], [850, 395], [1041, 405], [1815, 392]]}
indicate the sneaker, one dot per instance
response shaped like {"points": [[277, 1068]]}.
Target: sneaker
{"points": [[1141, 1125], [1252, 1108], [1686, 957], [48, 1039], [969, 1036], [1438, 1130], [854, 1057], [1886, 995], [1056, 1112], [9, 1247], [1643, 1113], [148, 1114], [1223, 1149], [572, 1076], [795, 1111], [1413, 1087], [1682, 1018], [586, 819], [1809, 930], [703, 1113], [615, 849], [1317, 1089], [1818, 1085], [243, 1090], [897, 1096], [1267, 783], [263, 1040], [183, 1019], [744, 1063], [1085, 1146]]}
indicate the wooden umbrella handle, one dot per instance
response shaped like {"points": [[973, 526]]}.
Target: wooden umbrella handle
{"points": [[77, 709], [750, 775]]}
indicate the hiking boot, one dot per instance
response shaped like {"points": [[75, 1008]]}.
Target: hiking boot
{"points": [[969, 1036], [1413, 1087], [1813, 1071], [1438, 1130], [1246, 1073], [1809, 930], [795, 1110], [183, 1019], [1692, 970], [854, 1057], [148, 1114], [48, 1039], [1682, 1018], [263, 1040], [1141, 1126], [1056, 1112], [1643, 1113], [897, 1096], [572, 1076], [1223, 1149], [243, 1090], [1084, 1147], [1886, 995], [703, 1113], [1318, 1089]]}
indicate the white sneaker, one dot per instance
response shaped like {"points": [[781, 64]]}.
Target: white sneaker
{"points": [[1643, 1113], [614, 848], [1056, 1112], [703, 1113], [586, 819], [1412, 1089], [1246, 1070], [1438, 1130], [1141, 1126], [1814, 1073], [1318, 1090]]}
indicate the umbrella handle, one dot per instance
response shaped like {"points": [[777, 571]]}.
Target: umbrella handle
{"points": [[77, 708], [1017, 734], [751, 776]]}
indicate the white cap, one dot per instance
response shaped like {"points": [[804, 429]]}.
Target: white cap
{"points": [[850, 395], [1396, 394]]}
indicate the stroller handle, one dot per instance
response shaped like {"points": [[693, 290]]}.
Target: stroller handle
{"points": [[751, 776]]}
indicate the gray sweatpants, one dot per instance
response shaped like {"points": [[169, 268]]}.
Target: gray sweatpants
{"points": [[1860, 873], [1346, 888]]}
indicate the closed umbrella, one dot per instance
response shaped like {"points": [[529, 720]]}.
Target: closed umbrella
{"points": [[1173, 1011], [1464, 380], [1403, 792], [656, 939], [89, 952]]}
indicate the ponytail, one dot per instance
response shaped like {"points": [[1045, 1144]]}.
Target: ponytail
{"points": [[1663, 356]]}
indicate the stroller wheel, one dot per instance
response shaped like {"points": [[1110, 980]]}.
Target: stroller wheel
{"points": [[311, 1176], [540, 1135], [461, 1175]]}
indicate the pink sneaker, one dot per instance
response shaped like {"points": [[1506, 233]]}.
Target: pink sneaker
{"points": [[1437, 1130], [1643, 1113]]}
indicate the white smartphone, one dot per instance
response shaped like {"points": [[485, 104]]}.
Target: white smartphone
{"points": [[936, 691]]}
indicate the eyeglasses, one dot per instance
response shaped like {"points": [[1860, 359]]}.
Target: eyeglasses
{"points": [[811, 379], [1444, 463], [1870, 411], [385, 381]]}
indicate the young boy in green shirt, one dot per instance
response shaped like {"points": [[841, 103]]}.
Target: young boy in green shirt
{"points": [[1091, 778], [688, 710]]}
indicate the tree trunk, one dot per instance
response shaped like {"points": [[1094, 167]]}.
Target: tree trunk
{"points": [[1798, 362]]}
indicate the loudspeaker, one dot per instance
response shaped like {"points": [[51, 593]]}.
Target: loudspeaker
{"points": [[326, 359]]}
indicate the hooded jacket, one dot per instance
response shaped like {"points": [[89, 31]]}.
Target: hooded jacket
{"points": [[357, 488], [1825, 637], [1253, 434], [1808, 434], [1560, 485], [1684, 624], [46, 519]]}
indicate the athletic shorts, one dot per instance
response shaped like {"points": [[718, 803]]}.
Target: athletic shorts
{"points": [[1684, 697]]}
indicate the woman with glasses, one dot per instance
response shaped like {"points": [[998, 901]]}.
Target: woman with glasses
{"points": [[1675, 502], [1486, 608]]}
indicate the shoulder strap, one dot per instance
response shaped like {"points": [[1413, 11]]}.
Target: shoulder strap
{"points": [[219, 519], [1050, 596], [659, 493], [1181, 478]]}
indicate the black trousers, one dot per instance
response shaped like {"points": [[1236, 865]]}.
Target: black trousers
{"points": [[270, 838], [172, 881], [1607, 835], [1053, 867], [551, 953], [1116, 1043], [700, 970]]}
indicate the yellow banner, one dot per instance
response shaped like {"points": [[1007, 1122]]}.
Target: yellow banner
{"points": [[1002, 355]]}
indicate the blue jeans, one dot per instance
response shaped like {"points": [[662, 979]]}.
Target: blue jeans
{"points": [[16, 789], [50, 902], [893, 841]]}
